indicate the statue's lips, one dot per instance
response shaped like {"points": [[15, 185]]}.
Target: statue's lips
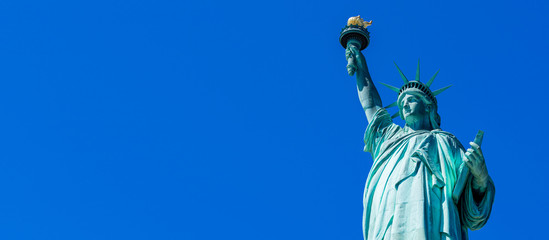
{"points": [[407, 113]]}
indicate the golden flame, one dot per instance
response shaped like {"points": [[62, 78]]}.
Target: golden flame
{"points": [[358, 21]]}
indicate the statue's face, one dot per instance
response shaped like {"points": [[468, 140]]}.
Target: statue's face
{"points": [[413, 108]]}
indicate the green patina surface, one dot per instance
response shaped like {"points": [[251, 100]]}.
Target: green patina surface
{"points": [[423, 184]]}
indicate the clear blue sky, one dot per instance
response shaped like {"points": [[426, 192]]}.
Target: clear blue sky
{"points": [[237, 120]]}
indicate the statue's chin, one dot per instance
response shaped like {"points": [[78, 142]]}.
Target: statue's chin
{"points": [[410, 119]]}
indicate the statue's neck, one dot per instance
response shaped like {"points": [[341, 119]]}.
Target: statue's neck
{"points": [[420, 124]]}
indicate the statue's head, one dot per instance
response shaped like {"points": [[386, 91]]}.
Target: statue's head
{"points": [[415, 105], [416, 102]]}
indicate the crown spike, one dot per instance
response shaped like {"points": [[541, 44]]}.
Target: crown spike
{"points": [[391, 105], [391, 87], [402, 74], [417, 72], [437, 92], [432, 79], [395, 115]]}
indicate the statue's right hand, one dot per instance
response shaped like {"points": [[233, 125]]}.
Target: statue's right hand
{"points": [[351, 55]]}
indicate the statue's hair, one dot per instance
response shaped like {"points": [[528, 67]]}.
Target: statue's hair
{"points": [[434, 118]]}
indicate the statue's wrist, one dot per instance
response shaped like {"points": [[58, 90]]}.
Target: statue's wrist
{"points": [[480, 182], [360, 61]]}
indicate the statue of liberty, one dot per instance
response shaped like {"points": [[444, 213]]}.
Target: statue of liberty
{"points": [[423, 184]]}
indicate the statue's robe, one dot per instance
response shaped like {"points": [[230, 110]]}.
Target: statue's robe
{"points": [[418, 186]]}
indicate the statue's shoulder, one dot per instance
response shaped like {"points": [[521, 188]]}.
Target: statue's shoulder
{"points": [[447, 136], [443, 133]]}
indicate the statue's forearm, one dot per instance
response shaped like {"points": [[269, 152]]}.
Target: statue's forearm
{"points": [[367, 92], [479, 188], [480, 184]]}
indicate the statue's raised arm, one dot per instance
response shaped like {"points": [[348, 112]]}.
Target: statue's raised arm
{"points": [[355, 38]]}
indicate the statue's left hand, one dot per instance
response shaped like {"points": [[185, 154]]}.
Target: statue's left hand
{"points": [[475, 161]]}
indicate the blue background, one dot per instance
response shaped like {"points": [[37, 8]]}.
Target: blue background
{"points": [[237, 119]]}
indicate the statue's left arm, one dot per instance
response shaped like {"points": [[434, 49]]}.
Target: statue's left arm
{"points": [[476, 164], [478, 196]]}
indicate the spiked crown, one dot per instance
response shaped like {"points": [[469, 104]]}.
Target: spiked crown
{"points": [[417, 86]]}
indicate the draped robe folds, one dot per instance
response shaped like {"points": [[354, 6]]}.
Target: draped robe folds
{"points": [[413, 191]]}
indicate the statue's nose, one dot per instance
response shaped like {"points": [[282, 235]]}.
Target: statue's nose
{"points": [[406, 105]]}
